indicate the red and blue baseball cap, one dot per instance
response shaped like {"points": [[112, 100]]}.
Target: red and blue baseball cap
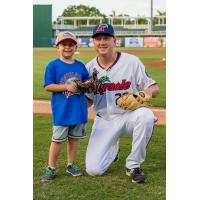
{"points": [[103, 29], [66, 36]]}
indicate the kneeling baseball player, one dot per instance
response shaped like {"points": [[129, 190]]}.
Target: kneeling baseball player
{"points": [[123, 90]]}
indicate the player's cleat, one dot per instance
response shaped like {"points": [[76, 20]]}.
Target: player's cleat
{"points": [[136, 174], [73, 170], [49, 175]]}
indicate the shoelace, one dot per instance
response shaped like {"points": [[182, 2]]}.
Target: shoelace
{"points": [[49, 171], [137, 171]]}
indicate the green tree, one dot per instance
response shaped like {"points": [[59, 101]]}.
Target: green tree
{"points": [[118, 21], [159, 13], [142, 20], [81, 11]]}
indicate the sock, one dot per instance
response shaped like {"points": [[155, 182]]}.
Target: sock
{"points": [[52, 168], [69, 163]]}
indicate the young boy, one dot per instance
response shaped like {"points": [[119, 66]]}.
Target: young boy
{"points": [[69, 107]]}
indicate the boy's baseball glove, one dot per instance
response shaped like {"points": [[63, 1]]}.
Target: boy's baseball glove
{"points": [[132, 101], [90, 85]]}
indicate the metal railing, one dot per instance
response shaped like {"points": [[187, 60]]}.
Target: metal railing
{"points": [[131, 32], [124, 33], [133, 26]]}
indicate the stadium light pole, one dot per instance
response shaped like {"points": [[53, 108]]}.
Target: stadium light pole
{"points": [[151, 20]]}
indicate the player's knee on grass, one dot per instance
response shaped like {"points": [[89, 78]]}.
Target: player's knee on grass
{"points": [[97, 171]]}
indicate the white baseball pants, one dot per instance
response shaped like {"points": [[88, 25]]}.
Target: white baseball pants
{"points": [[103, 145]]}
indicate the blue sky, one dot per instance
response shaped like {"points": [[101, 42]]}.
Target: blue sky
{"points": [[131, 7]]}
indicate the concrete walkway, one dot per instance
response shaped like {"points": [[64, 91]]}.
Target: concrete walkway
{"points": [[43, 107]]}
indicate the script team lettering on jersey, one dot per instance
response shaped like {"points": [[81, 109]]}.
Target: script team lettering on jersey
{"points": [[102, 87]]}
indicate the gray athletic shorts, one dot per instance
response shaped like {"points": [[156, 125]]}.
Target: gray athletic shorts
{"points": [[61, 133]]}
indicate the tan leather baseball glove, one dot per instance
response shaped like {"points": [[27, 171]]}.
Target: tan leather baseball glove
{"points": [[132, 101]]}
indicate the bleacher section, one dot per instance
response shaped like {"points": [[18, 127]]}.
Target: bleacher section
{"points": [[122, 29], [119, 30]]}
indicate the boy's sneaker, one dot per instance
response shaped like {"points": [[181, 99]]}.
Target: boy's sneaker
{"points": [[73, 170], [136, 174], [49, 174]]}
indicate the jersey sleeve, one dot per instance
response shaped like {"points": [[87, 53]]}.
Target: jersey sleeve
{"points": [[49, 76], [143, 79]]}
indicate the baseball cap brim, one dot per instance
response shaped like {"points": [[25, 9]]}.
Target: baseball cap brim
{"points": [[102, 33], [67, 39]]}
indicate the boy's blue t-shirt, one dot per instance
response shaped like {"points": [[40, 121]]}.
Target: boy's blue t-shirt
{"points": [[67, 108]]}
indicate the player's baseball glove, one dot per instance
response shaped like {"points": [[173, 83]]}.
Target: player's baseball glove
{"points": [[132, 101], [90, 85]]}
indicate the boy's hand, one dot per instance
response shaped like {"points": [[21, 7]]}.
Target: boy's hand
{"points": [[71, 87]]}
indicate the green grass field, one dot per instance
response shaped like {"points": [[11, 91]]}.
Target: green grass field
{"points": [[40, 62], [114, 184]]}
